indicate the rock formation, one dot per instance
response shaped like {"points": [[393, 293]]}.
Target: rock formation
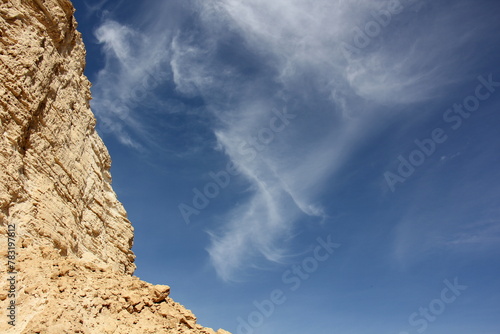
{"points": [[62, 228]]}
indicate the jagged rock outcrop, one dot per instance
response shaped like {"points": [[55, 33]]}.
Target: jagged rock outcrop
{"points": [[73, 262]]}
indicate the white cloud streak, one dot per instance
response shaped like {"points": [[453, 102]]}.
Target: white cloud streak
{"points": [[134, 69], [287, 179], [300, 42]]}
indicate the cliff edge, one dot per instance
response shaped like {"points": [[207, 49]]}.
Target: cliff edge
{"points": [[65, 240]]}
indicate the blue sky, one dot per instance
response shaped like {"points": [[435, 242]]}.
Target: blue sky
{"points": [[307, 166]]}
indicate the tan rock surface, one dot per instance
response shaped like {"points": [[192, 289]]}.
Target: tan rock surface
{"points": [[73, 238]]}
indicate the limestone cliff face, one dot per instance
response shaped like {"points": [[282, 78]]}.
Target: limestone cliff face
{"points": [[54, 179], [73, 240]]}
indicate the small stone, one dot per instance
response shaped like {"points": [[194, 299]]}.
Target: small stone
{"points": [[161, 292]]}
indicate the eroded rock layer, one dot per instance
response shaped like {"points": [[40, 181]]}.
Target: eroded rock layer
{"points": [[73, 240]]}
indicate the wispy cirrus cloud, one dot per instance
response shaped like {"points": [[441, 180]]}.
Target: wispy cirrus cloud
{"points": [[247, 59], [125, 88], [301, 39]]}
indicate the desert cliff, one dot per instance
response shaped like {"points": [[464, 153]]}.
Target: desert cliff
{"points": [[65, 240]]}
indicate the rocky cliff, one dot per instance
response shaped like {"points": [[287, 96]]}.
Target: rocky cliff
{"points": [[65, 240]]}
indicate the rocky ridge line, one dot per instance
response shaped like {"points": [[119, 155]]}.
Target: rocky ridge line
{"points": [[73, 238]]}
